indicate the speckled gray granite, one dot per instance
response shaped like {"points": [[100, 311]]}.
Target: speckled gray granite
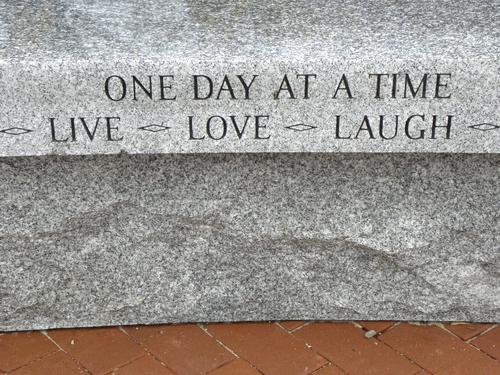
{"points": [[183, 76], [118, 239], [248, 226]]}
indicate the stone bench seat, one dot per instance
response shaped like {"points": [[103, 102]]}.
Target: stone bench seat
{"points": [[178, 161]]}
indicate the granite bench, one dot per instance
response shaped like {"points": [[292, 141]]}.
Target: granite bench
{"points": [[217, 161]]}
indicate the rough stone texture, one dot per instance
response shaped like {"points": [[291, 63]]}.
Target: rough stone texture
{"points": [[55, 56], [121, 239]]}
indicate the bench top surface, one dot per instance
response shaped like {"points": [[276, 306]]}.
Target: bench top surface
{"points": [[250, 29]]}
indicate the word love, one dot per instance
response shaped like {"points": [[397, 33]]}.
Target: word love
{"points": [[220, 127]]}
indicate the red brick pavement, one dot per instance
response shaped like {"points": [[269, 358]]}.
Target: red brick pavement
{"points": [[282, 348]]}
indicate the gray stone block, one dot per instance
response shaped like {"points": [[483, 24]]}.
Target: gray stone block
{"points": [[288, 196], [249, 76], [106, 240]]}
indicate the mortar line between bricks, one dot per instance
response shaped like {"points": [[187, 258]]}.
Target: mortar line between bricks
{"points": [[329, 364], [278, 323], [376, 337], [469, 341], [46, 334], [482, 351], [322, 356], [388, 328], [31, 361], [392, 327], [311, 348], [235, 359], [405, 356], [481, 333], [204, 329], [378, 332], [145, 348], [305, 324], [128, 363], [80, 364], [60, 349]]}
